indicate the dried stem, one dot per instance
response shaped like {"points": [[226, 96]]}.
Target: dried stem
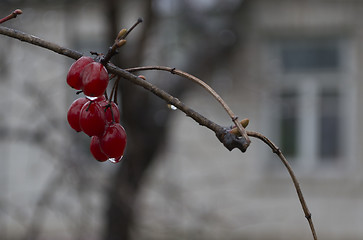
{"points": [[205, 86], [278, 152]]}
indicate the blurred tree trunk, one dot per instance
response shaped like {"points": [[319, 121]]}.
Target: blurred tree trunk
{"points": [[146, 132]]}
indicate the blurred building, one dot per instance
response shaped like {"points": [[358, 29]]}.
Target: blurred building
{"points": [[295, 75]]}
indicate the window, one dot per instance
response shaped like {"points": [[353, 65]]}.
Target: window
{"points": [[310, 94], [288, 122], [314, 55], [329, 126]]}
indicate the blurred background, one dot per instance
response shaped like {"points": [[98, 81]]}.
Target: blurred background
{"points": [[292, 67]]}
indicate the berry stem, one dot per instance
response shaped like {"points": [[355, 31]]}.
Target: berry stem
{"points": [[105, 94], [12, 15], [109, 105], [89, 105], [116, 90]]}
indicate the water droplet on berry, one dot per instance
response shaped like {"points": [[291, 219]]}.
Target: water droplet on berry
{"points": [[172, 107], [115, 160], [91, 98]]}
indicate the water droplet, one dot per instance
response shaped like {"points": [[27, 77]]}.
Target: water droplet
{"points": [[115, 160], [172, 107], [91, 98]]}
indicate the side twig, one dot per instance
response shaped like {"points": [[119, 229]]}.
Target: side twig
{"points": [[12, 15], [119, 41], [205, 86], [278, 152]]}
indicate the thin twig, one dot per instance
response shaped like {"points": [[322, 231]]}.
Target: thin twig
{"points": [[205, 86], [12, 15], [278, 152], [118, 43]]}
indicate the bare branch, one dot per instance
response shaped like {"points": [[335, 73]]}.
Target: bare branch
{"points": [[229, 140], [24, 37], [278, 152]]}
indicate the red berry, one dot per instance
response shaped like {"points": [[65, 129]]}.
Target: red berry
{"points": [[73, 76], [96, 151], [94, 78], [113, 116], [92, 119], [113, 142], [74, 112]]}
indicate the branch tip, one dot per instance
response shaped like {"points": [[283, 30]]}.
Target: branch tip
{"points": [[18, 12], [12, 15]]}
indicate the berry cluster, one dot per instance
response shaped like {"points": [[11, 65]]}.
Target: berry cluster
{"points": [[94, 115]]}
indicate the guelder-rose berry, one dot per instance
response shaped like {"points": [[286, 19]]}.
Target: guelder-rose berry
{"points": [[73, 76], [94, 78], [113, 141], [113, 116], [74, 112], [92, 119], [96, 151]]}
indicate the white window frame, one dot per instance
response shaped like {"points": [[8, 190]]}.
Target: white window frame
{"points": [[307, 161]]}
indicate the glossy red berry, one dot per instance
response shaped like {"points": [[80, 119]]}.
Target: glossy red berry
{"points": [[113, 142], [111, 117], [94, 78], [73, 76], [74, 113], [96, 151], [92, 119]]}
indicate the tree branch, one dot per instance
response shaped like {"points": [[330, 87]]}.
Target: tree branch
{"points": [[204, 85], [229, 140], [278, 152]]}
